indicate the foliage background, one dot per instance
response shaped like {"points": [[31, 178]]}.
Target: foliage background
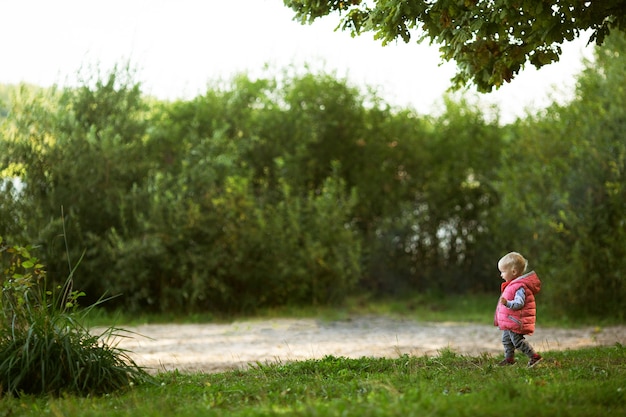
{"points": [[301, 189]]}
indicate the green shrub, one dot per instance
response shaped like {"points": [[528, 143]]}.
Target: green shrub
{"points": [[44, 348]]}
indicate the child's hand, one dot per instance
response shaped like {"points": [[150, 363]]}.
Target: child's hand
{"points": [[503, 301]]}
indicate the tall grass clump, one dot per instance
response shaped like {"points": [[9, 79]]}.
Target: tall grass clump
{"points": [[44, 348]]}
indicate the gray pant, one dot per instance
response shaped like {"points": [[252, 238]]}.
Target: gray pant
{"points": [[512, 341]]}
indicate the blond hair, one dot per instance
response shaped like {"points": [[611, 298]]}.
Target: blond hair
{"points": [[514, 260]]}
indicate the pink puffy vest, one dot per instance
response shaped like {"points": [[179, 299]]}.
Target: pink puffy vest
{"points": [[520, 321]]}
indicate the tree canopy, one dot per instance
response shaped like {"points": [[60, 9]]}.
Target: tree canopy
{"points": [[490, 40]]}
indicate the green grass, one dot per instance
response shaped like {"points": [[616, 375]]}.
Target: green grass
{"points": [[588, 382], [475, 308]]}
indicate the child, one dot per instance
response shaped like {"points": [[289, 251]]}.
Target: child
{"points": [[516, 311]]}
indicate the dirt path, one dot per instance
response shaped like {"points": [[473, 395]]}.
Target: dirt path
{"points": [[219, 347]]}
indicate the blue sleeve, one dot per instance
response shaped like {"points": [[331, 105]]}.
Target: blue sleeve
{"points": [[519, 300]]}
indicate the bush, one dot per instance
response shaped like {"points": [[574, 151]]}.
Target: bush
{"points": [[44, 348], [237, 251]]}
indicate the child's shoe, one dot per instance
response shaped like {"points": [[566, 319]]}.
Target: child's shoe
{"points": [[534, 360], [506, 362]]}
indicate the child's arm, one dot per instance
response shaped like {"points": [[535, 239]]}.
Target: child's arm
{"points": [[517, 302]]}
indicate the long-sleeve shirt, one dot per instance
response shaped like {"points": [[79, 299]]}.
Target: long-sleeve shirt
{"points": [[519, 300]]}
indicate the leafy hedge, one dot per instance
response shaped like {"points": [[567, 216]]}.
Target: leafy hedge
{"points": [[302, 189]]}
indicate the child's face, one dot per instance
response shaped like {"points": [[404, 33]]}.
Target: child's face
{"points": [[507, 273]]}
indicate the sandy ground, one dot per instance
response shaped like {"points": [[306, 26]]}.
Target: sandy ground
{"points": [[220, 347]]}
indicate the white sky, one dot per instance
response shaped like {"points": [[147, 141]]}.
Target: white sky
{"points": [[179, 46]]}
